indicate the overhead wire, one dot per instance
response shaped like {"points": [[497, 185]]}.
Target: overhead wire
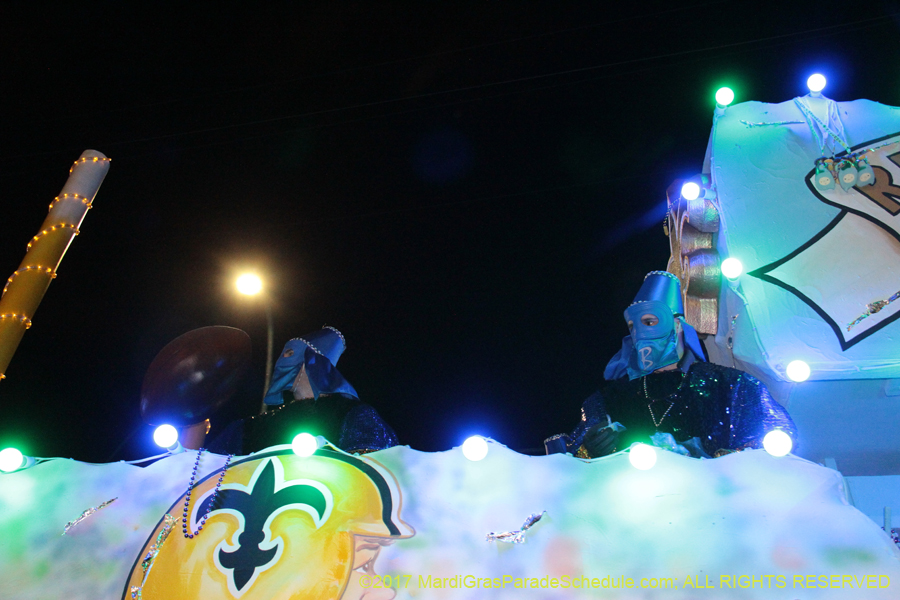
{"points": [[386, 63], [822, 31], [832, 29]]}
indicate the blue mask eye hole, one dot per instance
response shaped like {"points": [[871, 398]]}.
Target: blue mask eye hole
{"points": [[649, 320]]}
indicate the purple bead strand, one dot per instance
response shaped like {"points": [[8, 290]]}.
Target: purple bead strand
{"points": [[187, 499]]}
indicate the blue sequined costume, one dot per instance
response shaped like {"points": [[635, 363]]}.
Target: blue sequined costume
{"points": [[334, 412], [351, 425], [724, 408]]}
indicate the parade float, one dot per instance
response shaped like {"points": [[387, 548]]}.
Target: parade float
{"points": [[801, 193]]}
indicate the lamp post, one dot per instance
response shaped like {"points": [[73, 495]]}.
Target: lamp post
{"points": [[251, 285]]}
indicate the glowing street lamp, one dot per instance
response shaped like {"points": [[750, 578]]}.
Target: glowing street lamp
{"points": [[250, 284]]}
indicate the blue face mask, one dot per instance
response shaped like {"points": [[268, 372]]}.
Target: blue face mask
{"points": [[655, 341]]}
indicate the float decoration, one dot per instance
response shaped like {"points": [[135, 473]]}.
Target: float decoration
{"points": [[691, 224], [518, 536], [420, 518], [87, 513], [27, 285]]}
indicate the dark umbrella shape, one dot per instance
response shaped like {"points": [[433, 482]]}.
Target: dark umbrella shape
{"points": [[194, 375]]}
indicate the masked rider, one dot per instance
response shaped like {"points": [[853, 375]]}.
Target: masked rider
{"points": [[661, 390]]}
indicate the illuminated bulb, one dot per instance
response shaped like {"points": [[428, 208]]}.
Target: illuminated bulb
{"points": [[690, 191], [475, 448], [724, 96], [777, 443], [816, 83], [11, 460], [642, 456], [165, 436], [304, 444], [249, 284], [798, 371], [732, 268]]}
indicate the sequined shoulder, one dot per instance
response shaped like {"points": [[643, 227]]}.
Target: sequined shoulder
{"points": [[711, 372]]}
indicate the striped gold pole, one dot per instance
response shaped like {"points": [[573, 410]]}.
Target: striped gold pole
{"points": [[27, 285]]}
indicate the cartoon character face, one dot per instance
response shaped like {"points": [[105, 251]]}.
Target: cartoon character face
{"points": [[280, 527], [364, 578]]}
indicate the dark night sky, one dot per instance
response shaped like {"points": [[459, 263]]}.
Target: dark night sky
{"points": [[471, 192]]}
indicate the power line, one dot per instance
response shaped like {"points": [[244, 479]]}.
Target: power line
{"points": [[406, 59], [831, 28], [786, 38]]}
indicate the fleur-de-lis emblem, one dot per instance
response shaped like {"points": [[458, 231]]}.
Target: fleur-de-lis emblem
{"points": [[256, 505]]}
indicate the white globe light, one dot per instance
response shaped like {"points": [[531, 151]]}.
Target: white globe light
{"points": [[475, 448], [690, 191], [732, 268], [816, 82], [249, 284], [642, 456], [165, 436], [798, 371], [724, 96], [304, 444], [777, 443], [11, 460]]}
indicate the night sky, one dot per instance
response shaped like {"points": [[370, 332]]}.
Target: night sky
{"points": [[470, 192]]}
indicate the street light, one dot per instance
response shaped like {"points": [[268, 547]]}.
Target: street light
{"points": [[250, 284]]}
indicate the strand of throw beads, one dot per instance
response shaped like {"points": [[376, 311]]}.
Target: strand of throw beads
{"points": [[187, 500]]}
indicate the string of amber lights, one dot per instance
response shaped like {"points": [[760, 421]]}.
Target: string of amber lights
{"points": [[21, 296], [82, 199], [38, 268], [85, 159], [51, 229], [18, 317]]}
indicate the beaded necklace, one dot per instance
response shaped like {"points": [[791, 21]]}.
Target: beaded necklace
{"points": [[187, 500], [650, 404]]}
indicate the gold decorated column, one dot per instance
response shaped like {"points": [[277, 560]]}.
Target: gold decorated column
{"points": [[27, 285]]}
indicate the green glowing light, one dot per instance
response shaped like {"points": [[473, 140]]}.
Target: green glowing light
{"points": [[732, 268], [724, 96], [642, 456], [304, 444], [11, 460]]}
